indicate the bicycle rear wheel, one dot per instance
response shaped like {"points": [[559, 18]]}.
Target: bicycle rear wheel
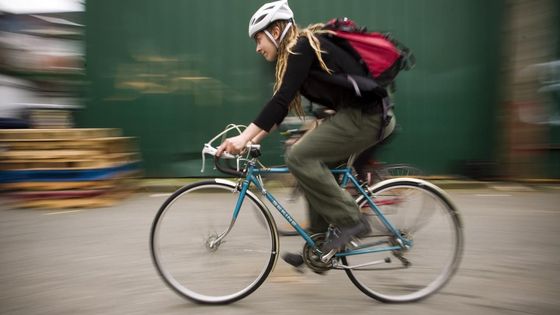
{"points": [[423, 213], [193, 259]]}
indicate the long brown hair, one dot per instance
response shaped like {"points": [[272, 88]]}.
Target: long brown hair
{"points": [[285, 49]]}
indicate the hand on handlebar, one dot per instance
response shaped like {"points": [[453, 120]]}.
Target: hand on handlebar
{"points": [[233, 145]]}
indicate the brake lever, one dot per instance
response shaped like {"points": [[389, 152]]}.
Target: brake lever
{"points": [[209, 149]]}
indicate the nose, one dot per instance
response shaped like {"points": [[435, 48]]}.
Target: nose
{"points": [[258, 49]]}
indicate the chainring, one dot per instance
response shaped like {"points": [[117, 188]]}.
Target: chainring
{"points": [[313, 259]]}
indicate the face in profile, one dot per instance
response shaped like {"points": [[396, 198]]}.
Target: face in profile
{"points": [[266, 47]]}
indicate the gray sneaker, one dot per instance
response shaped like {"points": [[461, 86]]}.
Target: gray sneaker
{"points": [[343, 235], [295, 260]]}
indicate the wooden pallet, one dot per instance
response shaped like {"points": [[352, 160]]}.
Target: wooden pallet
{"points": [[25, 186], [66, 168], [50, 118], [24, 196], [78, 133], [64, 175], [73, 203], [107, 160], [68, 204], [71, 198], [106, 145], [124, 179], [48, 154]]}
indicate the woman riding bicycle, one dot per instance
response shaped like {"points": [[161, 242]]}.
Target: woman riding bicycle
{"points": [[308, 64]]}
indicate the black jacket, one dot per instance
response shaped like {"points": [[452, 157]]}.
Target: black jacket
{"points": [[304, 74]]}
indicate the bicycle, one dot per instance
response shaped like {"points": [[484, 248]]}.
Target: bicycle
{"points": [[225, 254]]}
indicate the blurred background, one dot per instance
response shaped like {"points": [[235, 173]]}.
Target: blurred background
{"points": [[482, 102], [95, 94]]}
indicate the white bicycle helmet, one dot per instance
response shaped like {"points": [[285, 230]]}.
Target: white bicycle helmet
{"points": [[268, 13]]}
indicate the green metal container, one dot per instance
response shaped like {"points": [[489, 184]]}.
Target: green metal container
{"points": [[173, 73]]}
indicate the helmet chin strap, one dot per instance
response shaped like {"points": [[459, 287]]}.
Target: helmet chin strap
{"points": [[286, 29]]}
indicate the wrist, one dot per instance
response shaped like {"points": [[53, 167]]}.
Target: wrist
{"points": [[245, 137], [250, 133]]}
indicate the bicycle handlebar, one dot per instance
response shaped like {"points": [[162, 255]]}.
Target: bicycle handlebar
{"points": [[253, 149], [226, 169], [209, 149]]}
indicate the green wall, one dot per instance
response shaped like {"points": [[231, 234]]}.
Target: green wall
{"points": [[173, 73]]}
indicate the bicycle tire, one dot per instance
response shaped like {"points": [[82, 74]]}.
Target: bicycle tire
{"points": [[424, 213], [189, 222]]}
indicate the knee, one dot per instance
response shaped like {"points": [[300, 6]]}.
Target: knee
{"points": [[289, 158], [292, 159]]}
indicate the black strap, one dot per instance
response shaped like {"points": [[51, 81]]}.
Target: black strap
{"points": [[387, 104]]}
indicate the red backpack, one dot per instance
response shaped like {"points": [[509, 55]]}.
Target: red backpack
{"points": [[382, 56]]}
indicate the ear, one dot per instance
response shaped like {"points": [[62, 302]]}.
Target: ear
{"points": [[276, 32]]}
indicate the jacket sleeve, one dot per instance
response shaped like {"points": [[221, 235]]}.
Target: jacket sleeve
{"points": [[297, 69]]}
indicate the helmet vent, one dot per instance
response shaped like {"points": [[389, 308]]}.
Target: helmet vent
{"points": [[259, 19]]}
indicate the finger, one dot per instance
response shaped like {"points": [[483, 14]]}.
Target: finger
{"points": [[220, 150]]}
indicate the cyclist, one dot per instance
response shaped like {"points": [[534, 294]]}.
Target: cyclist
{"points": [[309, 64]]}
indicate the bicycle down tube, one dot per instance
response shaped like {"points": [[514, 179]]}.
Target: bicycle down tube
{"points": [[277, 170]]}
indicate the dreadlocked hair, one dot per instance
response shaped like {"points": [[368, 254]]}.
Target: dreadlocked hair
{"points": [[285, 49]]}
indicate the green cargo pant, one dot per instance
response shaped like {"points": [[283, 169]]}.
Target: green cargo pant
{"points": [[349, 131]]}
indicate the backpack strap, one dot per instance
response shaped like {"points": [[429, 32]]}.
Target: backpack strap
{"points": [[386, 105]]}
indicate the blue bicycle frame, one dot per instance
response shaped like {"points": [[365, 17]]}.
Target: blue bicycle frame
{"points": [[252, 177]]}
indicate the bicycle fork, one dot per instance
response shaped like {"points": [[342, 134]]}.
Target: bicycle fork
{"points": [[214, 242]]}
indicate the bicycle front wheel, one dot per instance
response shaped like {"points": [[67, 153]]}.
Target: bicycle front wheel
{"points": [[422, 214], [206, 254]]}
